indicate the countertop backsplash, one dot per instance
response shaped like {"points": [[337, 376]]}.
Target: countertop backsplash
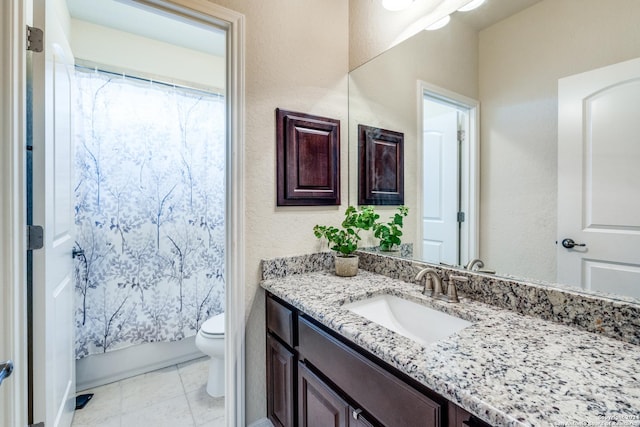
{"points": [[593, 313]]}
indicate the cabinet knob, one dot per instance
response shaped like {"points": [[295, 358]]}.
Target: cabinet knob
{"points": [[356, 413]]}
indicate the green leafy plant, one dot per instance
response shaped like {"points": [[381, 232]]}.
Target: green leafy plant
{"points": [[389, 232], [345, 240]]}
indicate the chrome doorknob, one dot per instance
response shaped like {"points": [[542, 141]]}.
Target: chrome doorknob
{"points": [[569, 243]]}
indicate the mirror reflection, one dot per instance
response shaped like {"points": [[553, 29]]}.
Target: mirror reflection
{"points": [[504, 182]]}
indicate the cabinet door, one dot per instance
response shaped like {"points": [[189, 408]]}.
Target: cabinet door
{"points": [[280, 384], [318, 405]]}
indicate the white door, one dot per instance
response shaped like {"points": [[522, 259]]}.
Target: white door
{"points": [[440, 184], [599, 179], [53, 284]]}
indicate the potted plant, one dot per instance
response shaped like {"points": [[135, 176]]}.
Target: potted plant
{"points": [[389, 232], [344, 240]]}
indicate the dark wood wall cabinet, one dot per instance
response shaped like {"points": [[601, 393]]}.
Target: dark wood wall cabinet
{"points": [[315, 378], [380, 166], [308, 159]]}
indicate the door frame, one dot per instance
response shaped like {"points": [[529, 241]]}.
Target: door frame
{"points": [[14, 17], [470, 181], [13, 300], [234, 23]]}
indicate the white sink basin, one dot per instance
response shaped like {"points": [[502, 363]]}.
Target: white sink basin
{"points": [[422, 324]]}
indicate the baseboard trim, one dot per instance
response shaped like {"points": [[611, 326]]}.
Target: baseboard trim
{"points": [[263, 422], [100, 369]]}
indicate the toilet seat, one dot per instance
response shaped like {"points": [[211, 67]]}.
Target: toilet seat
{"points": [[213, 327]]}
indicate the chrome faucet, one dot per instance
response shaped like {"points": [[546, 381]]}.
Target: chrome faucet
{"points": [[433, 282], [476, 262], [439, 288]]}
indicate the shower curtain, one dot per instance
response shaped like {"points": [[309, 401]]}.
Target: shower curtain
{"points": [[150, 209]]}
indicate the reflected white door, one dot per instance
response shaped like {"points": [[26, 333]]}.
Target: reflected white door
{"points": [[599, 179], [53, 284], [440, 184]]}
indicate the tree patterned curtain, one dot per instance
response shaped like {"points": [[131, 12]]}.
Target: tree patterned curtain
{"points": [[150, 209]]}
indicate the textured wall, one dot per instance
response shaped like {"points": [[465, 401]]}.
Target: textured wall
{"points": [[521, 60], [373, 29], [297, 59], [104, 45]]}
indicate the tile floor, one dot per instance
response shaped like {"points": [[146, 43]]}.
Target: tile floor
{"points": [[170, 397]]}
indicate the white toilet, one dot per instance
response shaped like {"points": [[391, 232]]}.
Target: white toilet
{"points": [[210, 341]]}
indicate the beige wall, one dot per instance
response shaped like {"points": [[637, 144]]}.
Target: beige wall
{"points": [[521, 60], [384, 93], [130, 52], [373, 29], [297, 59]]}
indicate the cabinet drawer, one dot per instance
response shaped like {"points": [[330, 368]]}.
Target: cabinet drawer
{"points": [[388, 399], [280, 321]]}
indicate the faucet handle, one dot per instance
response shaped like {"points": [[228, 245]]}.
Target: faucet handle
{"points": [[452, 292]]}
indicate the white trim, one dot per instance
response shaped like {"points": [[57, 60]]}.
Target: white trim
{"points": [[14, 17], [234, 23], [469, 234], [105, 368], [262, 422], [236, 319], [13, 393]]}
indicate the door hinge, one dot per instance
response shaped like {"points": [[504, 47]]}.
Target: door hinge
{"points": [[460, 216], [461, 135], [37, 425], [35, 237], [35, 38]]}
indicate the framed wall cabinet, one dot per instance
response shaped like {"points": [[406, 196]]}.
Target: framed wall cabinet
{"points": [[380, 166], [308, 159]]}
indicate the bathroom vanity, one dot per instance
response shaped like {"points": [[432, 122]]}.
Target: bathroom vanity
{"points": [[327, 365], [314, 374]]}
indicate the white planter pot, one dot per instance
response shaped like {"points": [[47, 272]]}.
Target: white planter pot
{"points": [[347, 266]]}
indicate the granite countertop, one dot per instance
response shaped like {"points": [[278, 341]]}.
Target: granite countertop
{"points": [[508, 369]]}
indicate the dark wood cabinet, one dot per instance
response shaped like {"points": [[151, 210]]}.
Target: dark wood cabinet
{"points": [[280, 322], [280, 383], [308, 159], [359, 420], [321, 406], [387, 398], [281, 364], [380, 166], [458, 417], [318, 404], [316, 378]]}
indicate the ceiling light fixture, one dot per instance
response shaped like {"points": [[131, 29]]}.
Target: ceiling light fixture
{"points": [[395, 5], [471, 5], [439, 23]]}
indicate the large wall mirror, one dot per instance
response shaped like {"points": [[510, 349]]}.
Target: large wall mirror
{"points": [[512, 57]]}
